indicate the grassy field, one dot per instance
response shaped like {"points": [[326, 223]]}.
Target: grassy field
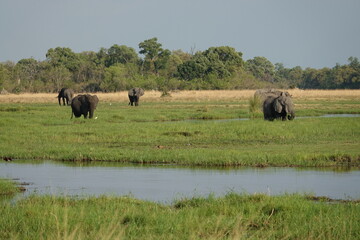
{"points": [[230, 217], [188, 128]]}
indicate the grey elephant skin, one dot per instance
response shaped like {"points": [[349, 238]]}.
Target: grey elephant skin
{"points": [[134, 96], [65, 94], [278, 106], [264, 93], [84, 105]]}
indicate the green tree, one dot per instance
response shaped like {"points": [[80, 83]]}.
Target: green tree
{"points": [[223, 61], [196, 67], [261, 68], [288, 77], [353, 80], [57, 77], [5, 75], [88, 70], [316, 78], [176, 58], [115, 79], [155, 58], [216, 62], [120, 54], [63, 57], [27, 72]]}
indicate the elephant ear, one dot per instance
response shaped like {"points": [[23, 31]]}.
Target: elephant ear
{"points": [[277, 106], [95, 100], [83, 99], [92, 99]]}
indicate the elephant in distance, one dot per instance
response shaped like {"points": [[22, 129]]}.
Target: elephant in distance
{"points": [[84, 105], [278, 107], [134, 96], [65, 94]]}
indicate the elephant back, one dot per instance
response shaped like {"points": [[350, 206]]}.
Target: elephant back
{"points": [[136, 92]]}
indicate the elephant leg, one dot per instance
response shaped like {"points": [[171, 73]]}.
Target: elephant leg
{"points": [[91, 114], [136, 100]]}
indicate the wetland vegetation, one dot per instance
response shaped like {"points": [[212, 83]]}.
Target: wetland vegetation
{"points": [[184, 131], [168, 131], [230, 217]]}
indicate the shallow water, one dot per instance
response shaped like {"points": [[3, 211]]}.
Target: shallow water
{"points": [[345, 115], [165, 184]]}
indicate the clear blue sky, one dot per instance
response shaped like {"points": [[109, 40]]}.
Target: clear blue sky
{"points": [[306, 33]]}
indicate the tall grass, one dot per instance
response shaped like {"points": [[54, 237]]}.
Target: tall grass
{"points": [[187, 96], [7, 188], [255, 106], [231, 217]]}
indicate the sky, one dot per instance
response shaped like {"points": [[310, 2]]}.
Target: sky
{"points": [[306, 33]]}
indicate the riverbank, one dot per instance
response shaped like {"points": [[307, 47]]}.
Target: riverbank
{"points": [[8, 188], [214, 132], [230, 217]]}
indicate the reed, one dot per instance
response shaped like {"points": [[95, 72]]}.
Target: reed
{"points": [[8, 188], [230, 217], [186, 96]]}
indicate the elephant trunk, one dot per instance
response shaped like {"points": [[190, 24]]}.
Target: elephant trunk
{"points": [[92, 109], [91, 113], [291, 116]]}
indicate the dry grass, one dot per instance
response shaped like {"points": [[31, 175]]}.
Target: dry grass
{"points": [[185, 96]]}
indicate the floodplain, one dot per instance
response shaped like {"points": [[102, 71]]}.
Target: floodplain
{"points": [[188, 129]]}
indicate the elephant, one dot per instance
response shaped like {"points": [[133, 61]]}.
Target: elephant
{"points": [[65, 93], [278, 107], [134, 95], [84, 105], [264, 93]]}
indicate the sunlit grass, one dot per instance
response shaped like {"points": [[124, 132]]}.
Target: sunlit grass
{"points": [[187, 96], [204, 128], [187, 133], [230, 217], [8, 188]]}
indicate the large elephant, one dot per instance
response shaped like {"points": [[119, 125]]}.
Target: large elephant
{"points": [[134, 95], [278, 107], [66, 94], [84, 105], [262, 94]]}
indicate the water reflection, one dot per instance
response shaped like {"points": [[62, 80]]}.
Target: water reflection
{"points": [[166, 183]]}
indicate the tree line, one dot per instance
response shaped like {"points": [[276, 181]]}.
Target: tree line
{"points": [[120, 67]]}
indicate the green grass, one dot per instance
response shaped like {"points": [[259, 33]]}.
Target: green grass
{"points": [[177, 133], [7, 188], [230, 217]]}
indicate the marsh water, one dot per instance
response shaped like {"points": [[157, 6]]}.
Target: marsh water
{"points": [[344, 115], [168, 183]]}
